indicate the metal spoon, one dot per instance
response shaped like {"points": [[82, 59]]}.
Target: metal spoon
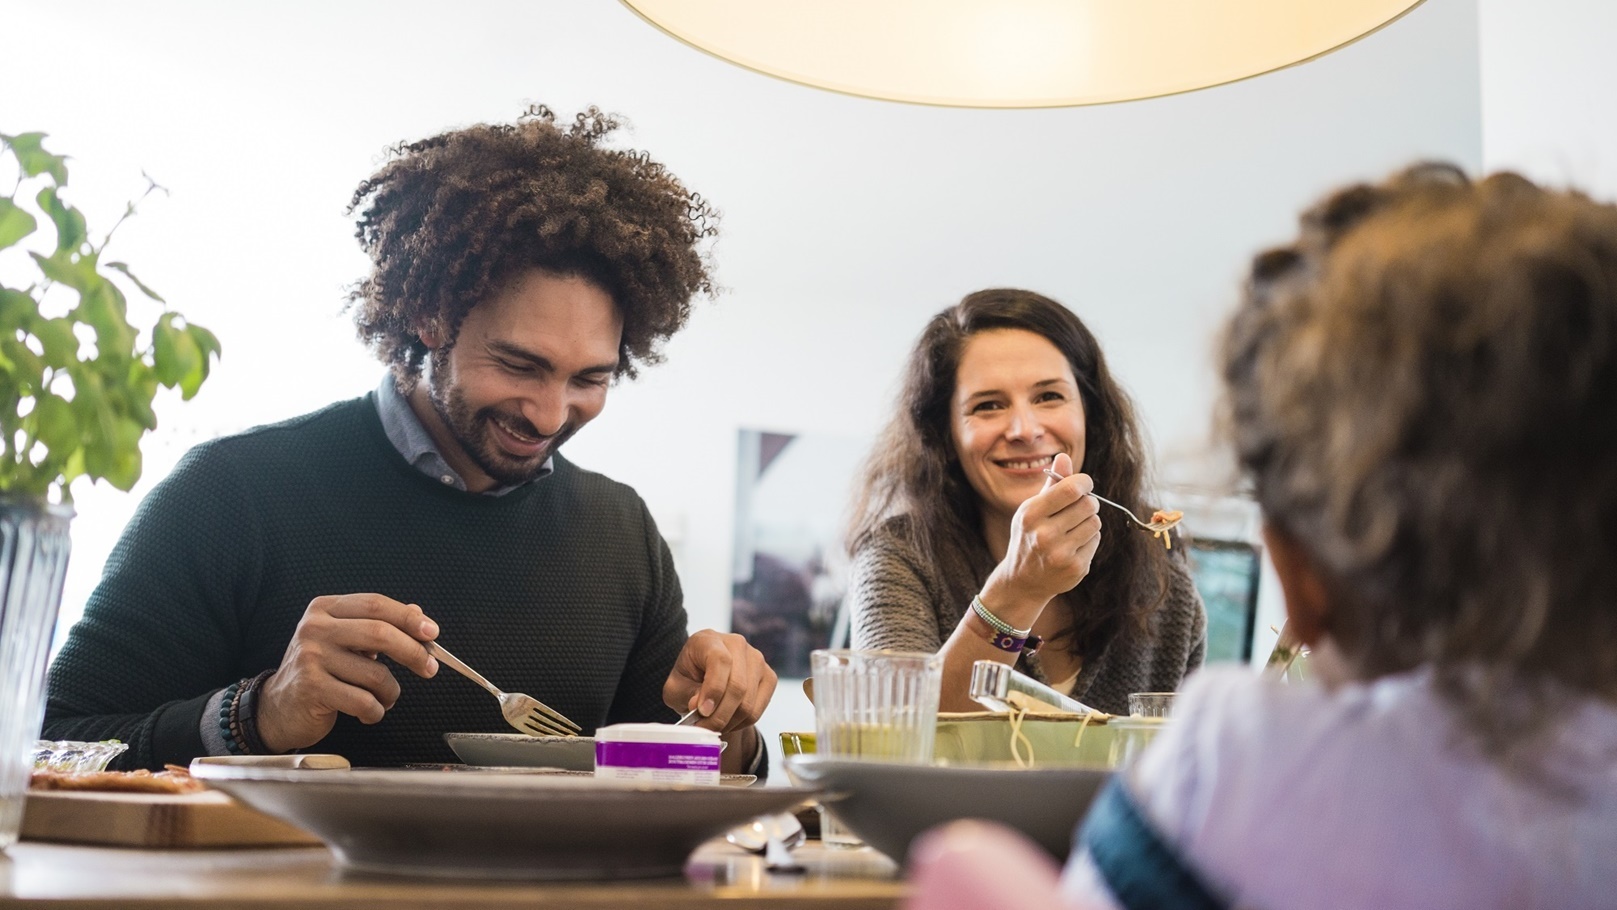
{"points": [[774, 836]]}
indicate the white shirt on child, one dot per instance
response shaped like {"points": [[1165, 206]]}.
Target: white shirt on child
{"points": [[1289, 796]]}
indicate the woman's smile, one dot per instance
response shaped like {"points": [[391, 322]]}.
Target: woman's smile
{"points": [[1016, 406]]}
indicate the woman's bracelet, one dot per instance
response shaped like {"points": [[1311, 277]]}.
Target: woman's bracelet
{"points": [[1002, 634]]}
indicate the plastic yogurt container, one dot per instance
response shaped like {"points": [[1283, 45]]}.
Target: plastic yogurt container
{"points": [[658, 753]]}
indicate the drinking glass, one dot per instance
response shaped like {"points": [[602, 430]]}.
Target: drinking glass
{"points": [[878, 705], [1150, 704]]}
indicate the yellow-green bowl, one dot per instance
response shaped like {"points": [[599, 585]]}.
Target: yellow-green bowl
{"points": [[1051, 741]]}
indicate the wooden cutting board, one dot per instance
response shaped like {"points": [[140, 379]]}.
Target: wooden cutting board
{"points": [[206, 819]]}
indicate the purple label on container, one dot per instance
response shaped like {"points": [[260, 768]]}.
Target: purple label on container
{"points": [[683, 756]]}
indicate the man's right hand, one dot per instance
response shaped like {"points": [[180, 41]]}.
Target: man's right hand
{"points": [[330, 667]]}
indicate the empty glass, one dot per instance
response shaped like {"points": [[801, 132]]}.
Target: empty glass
{"points": [[1150, 704]]}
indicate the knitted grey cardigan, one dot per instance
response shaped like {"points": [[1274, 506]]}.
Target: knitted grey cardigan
{"points": [[905, 601]]}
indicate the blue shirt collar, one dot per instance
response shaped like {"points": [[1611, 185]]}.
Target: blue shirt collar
{"points": [[405, 430]]}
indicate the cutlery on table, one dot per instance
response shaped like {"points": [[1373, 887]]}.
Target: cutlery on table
{"points": [[774, 836], [524, 712]]}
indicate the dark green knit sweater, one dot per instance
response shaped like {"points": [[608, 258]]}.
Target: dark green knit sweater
{"points": [[562, 589]]}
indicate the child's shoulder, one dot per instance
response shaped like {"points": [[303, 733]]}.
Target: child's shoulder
{"points": [[1238, 743], [1255, 781], [1236, 705]]}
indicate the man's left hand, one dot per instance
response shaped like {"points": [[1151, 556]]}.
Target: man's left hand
{"points": [[724, 679]]}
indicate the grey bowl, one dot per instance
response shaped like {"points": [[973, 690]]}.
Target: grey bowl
{"points": [[888, 805]]}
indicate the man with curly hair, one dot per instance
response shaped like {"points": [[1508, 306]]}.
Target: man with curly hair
{"points": [[518, 270]]}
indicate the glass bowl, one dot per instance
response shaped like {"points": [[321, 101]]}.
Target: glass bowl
{"points": [[76, 757]]}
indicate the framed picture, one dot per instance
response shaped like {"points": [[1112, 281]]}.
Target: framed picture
{"points": [[790, 572]]}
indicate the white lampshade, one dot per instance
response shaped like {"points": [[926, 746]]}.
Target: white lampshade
{"points": [[1017, 53]]}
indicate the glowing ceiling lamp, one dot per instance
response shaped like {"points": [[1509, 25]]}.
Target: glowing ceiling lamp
{"points": [[1017, 53]]}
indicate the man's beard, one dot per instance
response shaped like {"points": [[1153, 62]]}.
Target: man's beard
{"points": [[472, 432]]}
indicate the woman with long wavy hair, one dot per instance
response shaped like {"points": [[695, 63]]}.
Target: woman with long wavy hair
{"points": [[962, 543]]}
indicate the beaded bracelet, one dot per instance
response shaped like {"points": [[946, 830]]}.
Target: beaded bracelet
{"points": [[227, 725], [1002, 634], [238, 716], [247, 713]]}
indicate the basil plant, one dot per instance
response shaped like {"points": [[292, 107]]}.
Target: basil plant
{"points": [[77, 379]]}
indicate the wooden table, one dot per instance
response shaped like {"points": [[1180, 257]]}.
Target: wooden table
{"points": [[64, 877]]}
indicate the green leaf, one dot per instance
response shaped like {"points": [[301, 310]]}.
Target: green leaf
{"points": [[138, 283], [124, 470], [191, 383], [55, 425], [142, 378], [177, 356], [29, 372], [88, 393], [165, 360], [70, 229], [15, 223], [207, 345], [34, 159], [61, 346], [16, 309], [96, 419], [72, 469], [140, 407], [102, 308], [206, 340], [77, 272]]}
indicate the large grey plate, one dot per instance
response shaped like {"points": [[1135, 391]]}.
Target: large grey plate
{"points": [[516, 750], [500, 825], [888, 805]]}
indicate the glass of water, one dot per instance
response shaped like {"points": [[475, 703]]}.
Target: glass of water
{"points": [[873, 705]]}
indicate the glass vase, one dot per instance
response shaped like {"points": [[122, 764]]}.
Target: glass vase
{"points": [[34, 544]]}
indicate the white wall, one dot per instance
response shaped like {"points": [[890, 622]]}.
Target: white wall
{"points": [[1548, 70], [847, 222]]}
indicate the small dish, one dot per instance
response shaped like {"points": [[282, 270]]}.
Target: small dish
{"points": [[515, 750], [71, 757]]}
